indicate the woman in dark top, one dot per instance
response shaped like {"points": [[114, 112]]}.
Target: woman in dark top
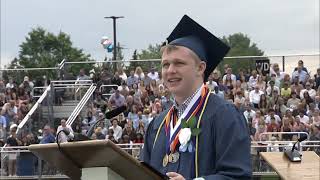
{"points": [[13, 141], [286, 127], [307, 99]]}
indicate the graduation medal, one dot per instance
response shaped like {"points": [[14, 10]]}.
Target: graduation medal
{"points": [[174, 157], [165, 160], [172, 133]]}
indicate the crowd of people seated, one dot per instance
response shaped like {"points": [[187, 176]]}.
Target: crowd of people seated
{"points": [[274, 102], [278, 101]]}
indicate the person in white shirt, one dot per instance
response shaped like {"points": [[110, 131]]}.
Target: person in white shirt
{"points": [[153, 74], [63, 137], [117, 130], [276, 71], [210, 83], [232, 76], [271, 88], [271, 114], [303, 118], [249, 114], [82, 76], [254, 96], [10, 84], [139, 73], [312, 92], [122, 74], [253, 79]]}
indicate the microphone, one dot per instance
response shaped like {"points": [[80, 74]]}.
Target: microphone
{"points": [[293, 154], [115, 112], [108, 115]]}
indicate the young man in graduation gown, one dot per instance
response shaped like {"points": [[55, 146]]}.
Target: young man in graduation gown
{"points": [[201, 136]]}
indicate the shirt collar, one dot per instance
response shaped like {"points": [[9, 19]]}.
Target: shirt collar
{"points": [[181, 108]]}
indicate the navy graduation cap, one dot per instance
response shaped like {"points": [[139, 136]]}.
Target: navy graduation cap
{"points": [[192, 35]]}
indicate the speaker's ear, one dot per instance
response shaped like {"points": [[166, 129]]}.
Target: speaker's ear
{"points": [[202, 67]]}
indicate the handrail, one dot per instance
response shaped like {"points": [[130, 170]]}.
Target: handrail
{"points": [[72, 81], [62, 85], [61, 64], [107, 94], [110, 85], [29, 69], [272, 133], [81, 83], [64, 62], [81, 104], [148, 60], [34, 107], [281, 142], [37, 87]]}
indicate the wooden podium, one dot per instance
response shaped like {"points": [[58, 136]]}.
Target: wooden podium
{"points": [[94, 160], [307, 169]]}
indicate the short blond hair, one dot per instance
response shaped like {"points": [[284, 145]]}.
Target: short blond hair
{"points": [[169, 48]]}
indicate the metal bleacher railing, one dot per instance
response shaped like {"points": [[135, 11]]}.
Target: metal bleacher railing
{"points": [[81, 104], [33, 109], [106, 90], [269, 134], [48, 102]]}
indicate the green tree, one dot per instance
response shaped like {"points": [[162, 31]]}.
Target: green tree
{"points": [[152, 52], [135, 57], [240, 45], [45, 49]]}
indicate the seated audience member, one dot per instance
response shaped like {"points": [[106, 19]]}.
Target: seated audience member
{"points": [[116, 129], [301, 74], [253, 79], [254, 96], [249, 114], [63, 137], [271, 114], [153, 74], [128, 130], [47, 135], [311, 92], [273, 126], [285, 92], [118, 99], [286, 127]]}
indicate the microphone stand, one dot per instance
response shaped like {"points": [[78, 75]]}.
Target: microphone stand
{"points": [[64, 152], [293, 154]]}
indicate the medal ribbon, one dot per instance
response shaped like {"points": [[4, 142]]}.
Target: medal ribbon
{"points": [[172, 142]]}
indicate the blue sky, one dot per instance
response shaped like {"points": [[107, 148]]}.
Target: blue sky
{"points": [[278, 27]]}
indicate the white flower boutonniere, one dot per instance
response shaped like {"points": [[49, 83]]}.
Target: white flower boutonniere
{"points": [[184, 136], [188, 129]]}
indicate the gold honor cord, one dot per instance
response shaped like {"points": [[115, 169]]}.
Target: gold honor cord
{"points": [[158, 132], [197, 138]]}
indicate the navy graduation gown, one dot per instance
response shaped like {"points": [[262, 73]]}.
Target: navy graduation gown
{"points": [[224, 145]]}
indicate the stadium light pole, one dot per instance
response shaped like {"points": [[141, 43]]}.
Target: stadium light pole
{"points": [[114, 18]]}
